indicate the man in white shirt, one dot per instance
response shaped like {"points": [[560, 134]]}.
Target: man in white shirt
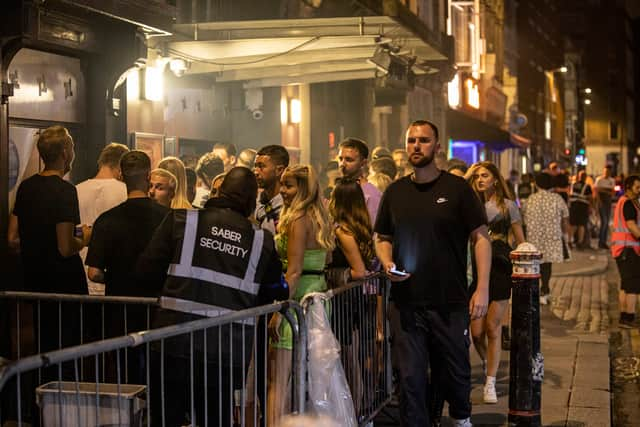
{"points": [[271, 161], [101, 193], [605, 185]]}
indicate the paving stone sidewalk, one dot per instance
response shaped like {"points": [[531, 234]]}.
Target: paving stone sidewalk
{"points": [[574, 335]]}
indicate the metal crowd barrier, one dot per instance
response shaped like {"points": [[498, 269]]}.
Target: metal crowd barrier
{"points": [[200, 367], [358, 314], [41, 322]]}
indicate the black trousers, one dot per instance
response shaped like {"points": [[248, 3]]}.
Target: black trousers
{"points": [[220, 385], [425, 340], [545, 276]]}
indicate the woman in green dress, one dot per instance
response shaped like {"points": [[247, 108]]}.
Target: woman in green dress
{"points": [[305, 238]]}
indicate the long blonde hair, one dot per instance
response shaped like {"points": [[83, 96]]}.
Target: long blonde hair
{"points": [[176, 167], [307, 201], [501, 190]]}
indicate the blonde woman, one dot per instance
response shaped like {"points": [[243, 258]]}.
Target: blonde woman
{"points": [[504, 219], [305, 237], [162, 187], [176, 167]]}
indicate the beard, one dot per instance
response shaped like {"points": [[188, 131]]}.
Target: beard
{"points": [[350, 175], [422, 161]]}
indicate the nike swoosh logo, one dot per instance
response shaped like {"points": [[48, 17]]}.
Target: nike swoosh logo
{"points": [[441, 200]]}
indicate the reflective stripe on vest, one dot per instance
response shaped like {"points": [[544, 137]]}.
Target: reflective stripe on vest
{"points": [[192, 307], [579, 197], [621, 237], [187, 270]]}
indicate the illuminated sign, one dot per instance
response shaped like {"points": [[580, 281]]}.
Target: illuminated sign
{"points": [[472, 93], [469, 151], [582, 160], [453, 90]]}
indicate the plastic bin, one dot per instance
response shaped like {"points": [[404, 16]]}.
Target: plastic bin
{"points": [[56, 397]]}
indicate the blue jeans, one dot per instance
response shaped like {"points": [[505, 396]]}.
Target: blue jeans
{"points": [[605, 214]]}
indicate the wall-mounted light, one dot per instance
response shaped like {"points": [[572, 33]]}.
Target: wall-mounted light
{"points": [[563, 69], [296, 110], [587, 101], [587, 90], [290, 111], [153, 83]]}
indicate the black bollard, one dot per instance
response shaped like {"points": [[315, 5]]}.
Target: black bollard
{"points": [[526, 364]]}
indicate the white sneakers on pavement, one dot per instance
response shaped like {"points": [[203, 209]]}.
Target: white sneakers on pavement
{"points": [[489, 394], [463, 423]]}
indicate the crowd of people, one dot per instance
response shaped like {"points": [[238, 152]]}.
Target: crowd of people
{"points": [[232, 231]]}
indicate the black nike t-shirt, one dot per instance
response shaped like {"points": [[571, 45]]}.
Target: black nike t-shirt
{"points": [[119, 236], [41, 203], [430, 226]]}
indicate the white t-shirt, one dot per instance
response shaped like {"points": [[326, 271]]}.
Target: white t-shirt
{"points": [[96, 196], [202, 195], [606, 184]]}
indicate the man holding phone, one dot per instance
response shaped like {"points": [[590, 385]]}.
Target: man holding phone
{"points": [[423, 226]]}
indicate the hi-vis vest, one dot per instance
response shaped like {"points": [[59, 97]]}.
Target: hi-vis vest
{"points": [[216, 271], [579, 196], [621, 237]]}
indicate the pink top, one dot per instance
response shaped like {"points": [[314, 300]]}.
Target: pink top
{"points": [[372, 198]]}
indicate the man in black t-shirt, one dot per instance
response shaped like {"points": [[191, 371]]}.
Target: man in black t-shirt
{"points": [[120, 235], [42, 228], [424, 223], [43, 221]]}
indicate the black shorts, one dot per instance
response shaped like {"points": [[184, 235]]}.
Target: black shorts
{"points": [[578, 213], [629, 267], [499, 283]]}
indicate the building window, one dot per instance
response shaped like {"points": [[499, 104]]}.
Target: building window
{"points": [[613, 130], [465, 32]]}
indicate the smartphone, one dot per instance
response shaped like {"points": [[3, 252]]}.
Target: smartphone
{"points": [[397, 272]]}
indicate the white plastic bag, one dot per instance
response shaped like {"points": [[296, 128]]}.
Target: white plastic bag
{"points": [[329, 393]]}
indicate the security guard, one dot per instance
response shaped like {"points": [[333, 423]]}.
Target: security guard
{"points": [[625, 248], [216, 261]]}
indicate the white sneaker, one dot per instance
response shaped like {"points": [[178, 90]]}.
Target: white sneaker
{"points": [[489, 394], [544, 299], [463, 423]]}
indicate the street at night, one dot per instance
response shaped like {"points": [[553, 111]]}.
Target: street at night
{"points": [[319, 213]]}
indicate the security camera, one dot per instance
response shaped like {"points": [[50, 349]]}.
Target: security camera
{"points": [[257, 114], [179, 66]]}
